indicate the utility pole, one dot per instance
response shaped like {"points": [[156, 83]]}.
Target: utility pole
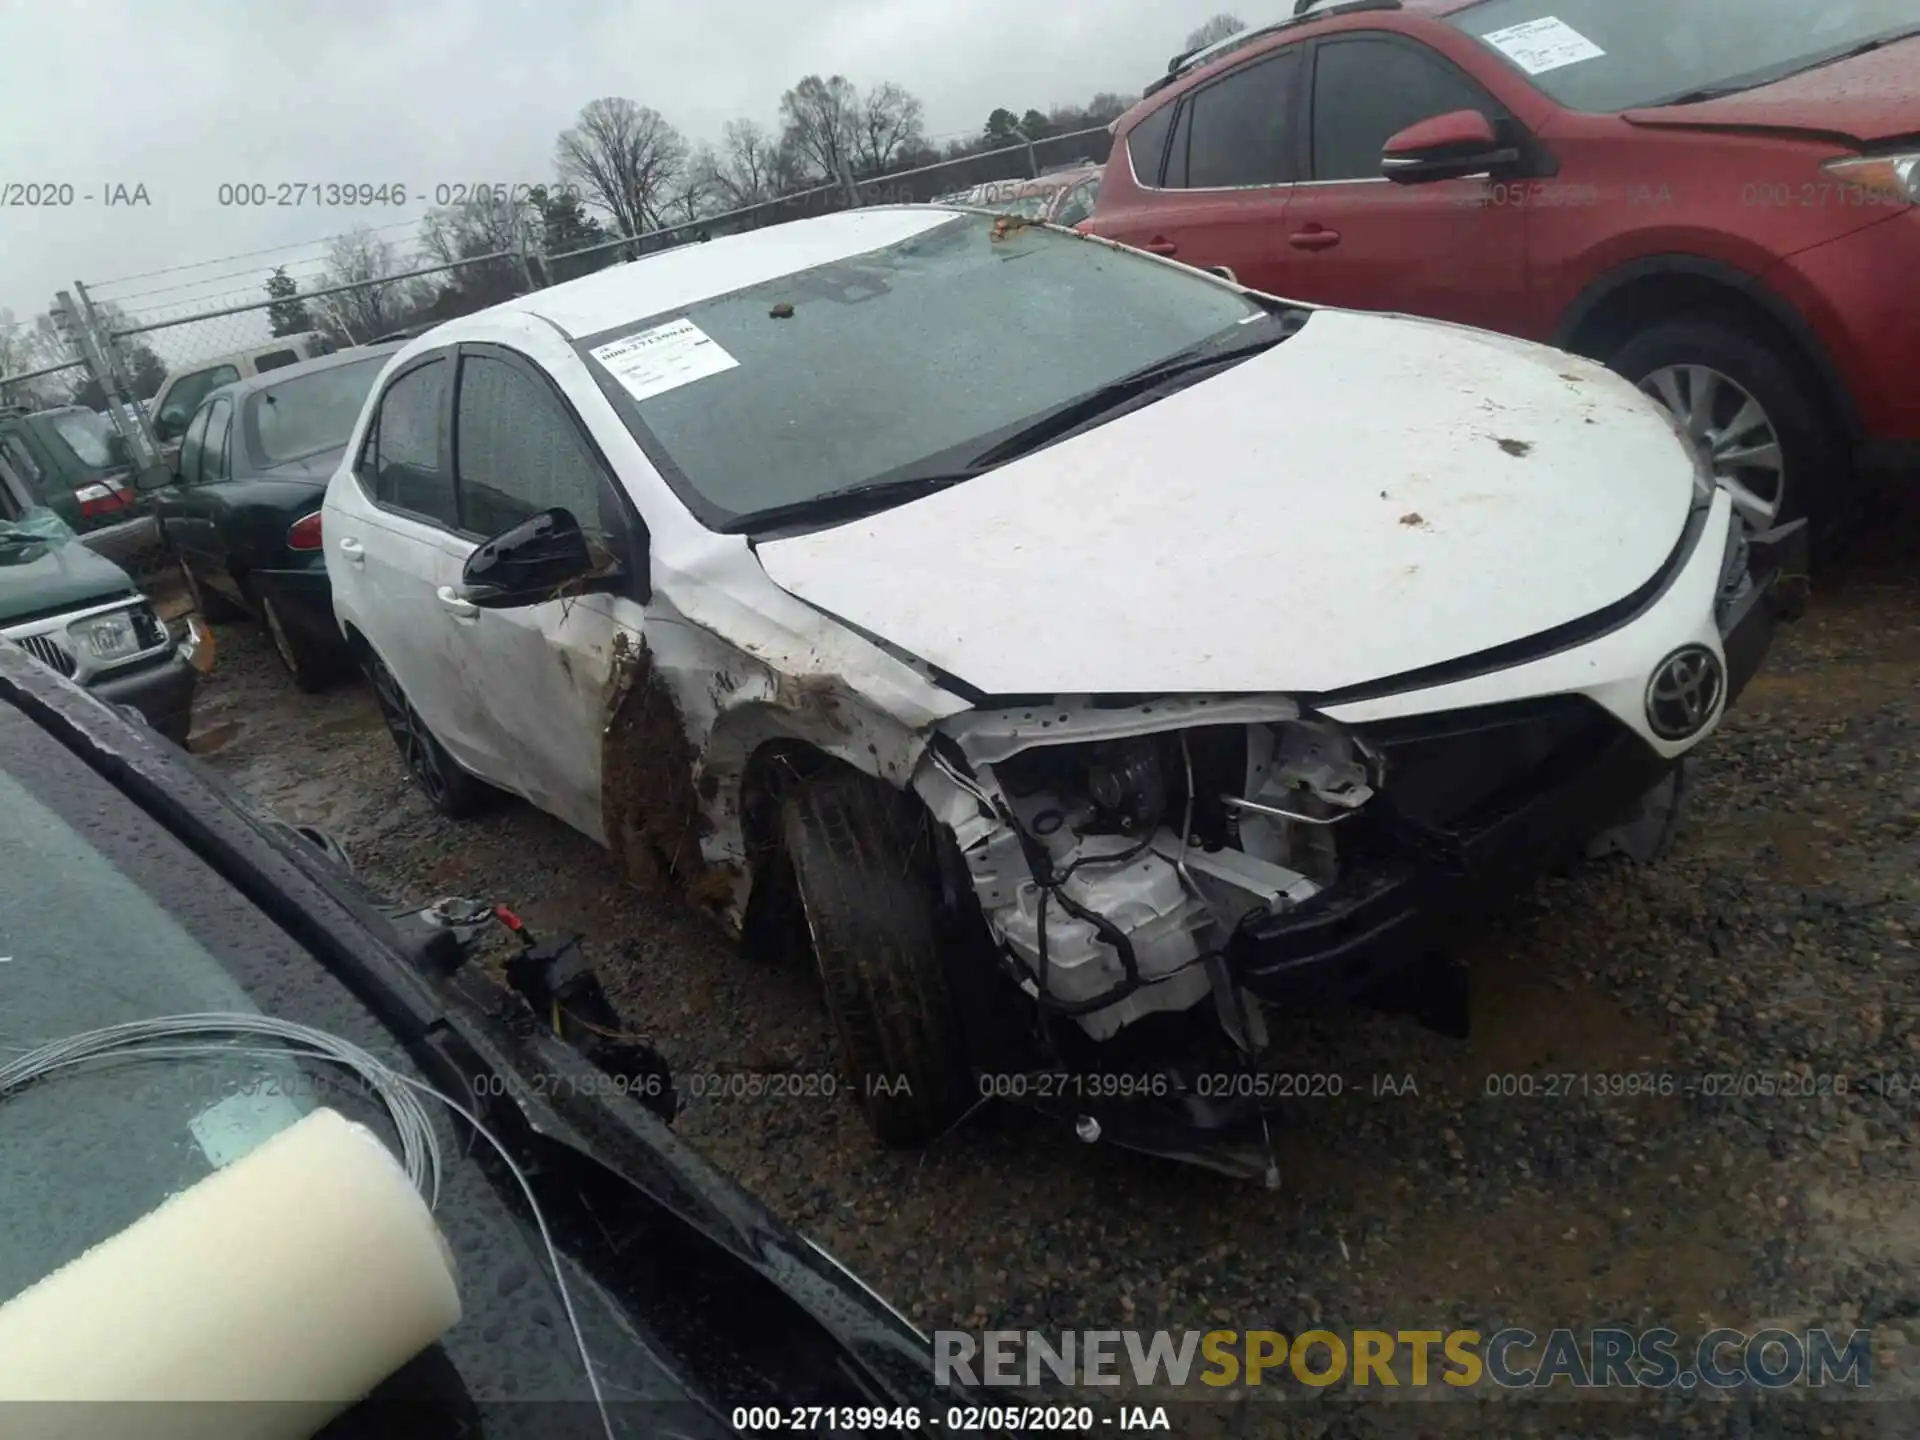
{"points": [[1033, 159], [80, 326]]}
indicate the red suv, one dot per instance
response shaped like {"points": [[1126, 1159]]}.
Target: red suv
{"points": [[1718, 198]]}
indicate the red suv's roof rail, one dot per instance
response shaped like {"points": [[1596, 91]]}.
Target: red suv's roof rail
{"points": [[1303, 12]]}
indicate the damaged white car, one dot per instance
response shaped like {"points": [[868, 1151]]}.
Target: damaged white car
{"points": [[1079, 656]]}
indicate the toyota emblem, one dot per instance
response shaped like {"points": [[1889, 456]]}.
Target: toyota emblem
{"points": [[1684, 694]]}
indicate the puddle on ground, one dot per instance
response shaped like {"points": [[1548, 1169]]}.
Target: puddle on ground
{"points": [[214, 737], [356, 724]]}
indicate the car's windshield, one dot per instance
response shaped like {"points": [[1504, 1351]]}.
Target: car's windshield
{"points": [[1607, 55], [104, 919], [835, 376], [86, 434], [36, 529], [307, 414]]}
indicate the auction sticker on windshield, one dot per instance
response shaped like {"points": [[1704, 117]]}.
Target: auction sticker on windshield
{"points": [[1542, 45], [663, 358]]}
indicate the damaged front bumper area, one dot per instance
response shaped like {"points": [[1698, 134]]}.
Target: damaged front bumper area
{"points": [[1158, 876]]}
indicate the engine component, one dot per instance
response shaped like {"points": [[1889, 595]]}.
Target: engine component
{"points": [[1077, 851], [1124, 779]]}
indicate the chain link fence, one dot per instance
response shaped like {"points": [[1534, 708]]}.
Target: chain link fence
{"points": [[407, 303]]}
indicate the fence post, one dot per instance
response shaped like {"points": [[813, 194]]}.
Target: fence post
{"points": [[521, 254], [846, 179], [96, 348]]}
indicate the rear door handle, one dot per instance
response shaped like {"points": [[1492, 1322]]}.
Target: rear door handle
{"points": [[354, 551], [1314, 238], [1160, 245], [452, 602]]}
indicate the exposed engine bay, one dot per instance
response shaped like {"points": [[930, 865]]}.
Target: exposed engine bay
{"points": [[1113, 872]]}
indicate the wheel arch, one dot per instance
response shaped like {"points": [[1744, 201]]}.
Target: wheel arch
{"points": [[1608, 312]]}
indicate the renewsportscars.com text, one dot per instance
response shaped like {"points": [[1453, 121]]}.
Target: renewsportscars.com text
{"points": [[1513, 1358]]}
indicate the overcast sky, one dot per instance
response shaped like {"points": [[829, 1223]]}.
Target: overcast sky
{"points": [[180, 97]]}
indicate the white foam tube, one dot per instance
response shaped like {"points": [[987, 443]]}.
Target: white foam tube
{"points": [[297, 1278]]}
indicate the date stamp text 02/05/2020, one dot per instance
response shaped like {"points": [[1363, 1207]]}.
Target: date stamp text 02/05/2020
{"points": [[371, 194]]}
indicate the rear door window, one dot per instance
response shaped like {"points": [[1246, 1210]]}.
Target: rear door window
{"points": [[1146, 143], [1238, 132], [409, 449]]}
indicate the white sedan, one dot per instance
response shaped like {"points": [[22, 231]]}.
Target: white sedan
{"points": [[1078, 656]]}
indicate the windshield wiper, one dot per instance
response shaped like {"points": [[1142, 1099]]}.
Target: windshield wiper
{"points": [[848, 504], [1865, 47], [1708, 92], [1141, 385], [1054, 425]]}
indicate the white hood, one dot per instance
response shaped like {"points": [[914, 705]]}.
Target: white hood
{"points": [[1375, 495]]}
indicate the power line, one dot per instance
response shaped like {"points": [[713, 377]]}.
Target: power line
{"points": [[250, 254]]}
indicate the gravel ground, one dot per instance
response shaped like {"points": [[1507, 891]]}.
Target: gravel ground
{"points": [[1777, 941]]}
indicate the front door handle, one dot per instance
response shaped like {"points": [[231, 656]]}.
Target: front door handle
{"points": [[1314, 237], [1160, 245], [354, 551], [457, 605]]}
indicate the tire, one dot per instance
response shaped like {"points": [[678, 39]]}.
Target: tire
{"points": [[210, 605], [864, 872], [1815, 482], [455, 792], [312, 672]]}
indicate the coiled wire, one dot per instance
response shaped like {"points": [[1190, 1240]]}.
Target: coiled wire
{"points": [[144, 1039], [212, 1035]]}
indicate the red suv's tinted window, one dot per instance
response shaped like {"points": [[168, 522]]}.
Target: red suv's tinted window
{"points": [[1365, 91], [1237, 131], [1147, 143]]}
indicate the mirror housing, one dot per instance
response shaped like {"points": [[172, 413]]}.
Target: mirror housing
{"points": [[154, 477], [1445, 147], [531, 563]]}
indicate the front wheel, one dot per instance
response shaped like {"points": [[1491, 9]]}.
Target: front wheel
{"points": [[1750, 406], [866, 884]]}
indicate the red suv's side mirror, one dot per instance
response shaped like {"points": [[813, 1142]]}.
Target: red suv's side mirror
{"points": [[1461, 142]]}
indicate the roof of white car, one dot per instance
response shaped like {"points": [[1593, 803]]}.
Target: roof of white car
{"points": [[690, 273]]}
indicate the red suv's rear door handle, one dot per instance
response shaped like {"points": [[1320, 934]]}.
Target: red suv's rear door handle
{"points": [[1160, 245], [1314, 238]]}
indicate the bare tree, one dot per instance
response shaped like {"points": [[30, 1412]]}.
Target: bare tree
{"points": [[818, 120], [366, 261], [1214, 31], [26, 346], [699, 192], [746, 168], [488, 224], [626, 159], [887, 125]]}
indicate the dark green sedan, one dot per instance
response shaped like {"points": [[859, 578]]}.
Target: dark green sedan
{"points": [[242, 517]]}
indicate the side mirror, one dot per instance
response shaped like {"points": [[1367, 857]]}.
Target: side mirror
{"points": [[1447, 147], [528, 564], [154, 477]]}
